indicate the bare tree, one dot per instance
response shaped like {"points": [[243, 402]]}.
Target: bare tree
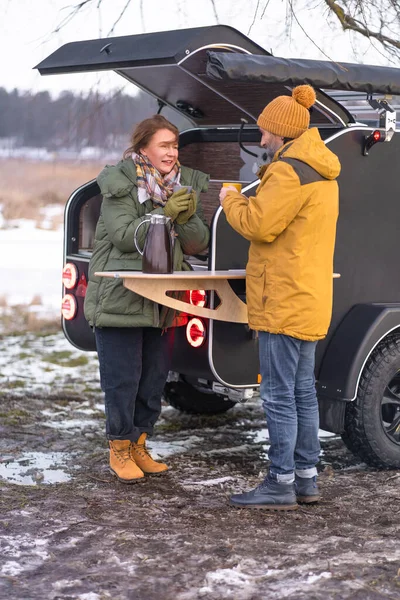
{"points": [[376, 20]]}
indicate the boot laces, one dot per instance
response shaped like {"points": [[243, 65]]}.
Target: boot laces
{"points": [[123, 455], [142, 450]]}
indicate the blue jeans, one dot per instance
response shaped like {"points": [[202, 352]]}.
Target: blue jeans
{"points": [[290, 402], [134, 364]]}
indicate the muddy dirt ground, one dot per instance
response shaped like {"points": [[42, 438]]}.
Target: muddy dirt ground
{"points": [[69, 530]]}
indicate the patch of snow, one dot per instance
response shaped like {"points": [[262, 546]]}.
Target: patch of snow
{"points": [[359, 467], [260, 436], [29, 364], [31, 265], [230, 450], [209, 482], [72, 542], [73, 424], [163, 449], [313, 578], [11, 568], [243, 582], [235, 582], [29, 551], [168, 411], [27, 152], [53, 413], [65, 583], [125, 564], [52, 210], [326, 434], [32, 468]]}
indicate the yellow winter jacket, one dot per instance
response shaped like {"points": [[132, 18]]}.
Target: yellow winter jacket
{"points": [[291, 224]]}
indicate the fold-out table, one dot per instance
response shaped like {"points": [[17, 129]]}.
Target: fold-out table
{"points": [[155, 286]]}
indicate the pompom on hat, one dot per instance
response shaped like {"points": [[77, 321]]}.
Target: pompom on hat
{"points": [[288, 116]]}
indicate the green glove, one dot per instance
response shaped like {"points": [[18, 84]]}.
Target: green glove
{"points": [[178, 202], [185, 215]]}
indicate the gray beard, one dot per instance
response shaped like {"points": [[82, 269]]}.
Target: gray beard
{"points": [[270, 153]]}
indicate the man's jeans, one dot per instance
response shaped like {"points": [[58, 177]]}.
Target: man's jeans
{"points": [[134, 364], [290, 402]]}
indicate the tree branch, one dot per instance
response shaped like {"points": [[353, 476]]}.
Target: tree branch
{"points": [[71, 15], [265, 8], [254, 18], [349, 23], [293, 12], [119, 18], [353, 15], [215, 11]]}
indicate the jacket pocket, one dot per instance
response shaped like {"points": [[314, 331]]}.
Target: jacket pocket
{"points": [[255, 287]]}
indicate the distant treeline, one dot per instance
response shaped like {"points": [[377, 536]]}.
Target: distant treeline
{"points": [[71, 120]]}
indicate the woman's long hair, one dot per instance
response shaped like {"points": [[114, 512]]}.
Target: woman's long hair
{"points": [[145, 130]]}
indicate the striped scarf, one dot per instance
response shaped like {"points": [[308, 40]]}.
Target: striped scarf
{"points": [[150, 182]]}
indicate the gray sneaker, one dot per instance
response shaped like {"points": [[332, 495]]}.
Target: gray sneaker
{"points": [[307, 491], [269, 495]]}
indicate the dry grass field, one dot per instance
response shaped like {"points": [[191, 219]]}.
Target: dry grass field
{"points": [[28, 186], [27, 189]]}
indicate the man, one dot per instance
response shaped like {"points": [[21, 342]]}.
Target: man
{"points": [[291, 224]]}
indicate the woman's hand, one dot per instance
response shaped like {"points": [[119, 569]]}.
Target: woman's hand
{"points": [[177, 203], [185, 215]]}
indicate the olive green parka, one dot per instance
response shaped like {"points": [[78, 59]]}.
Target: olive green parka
{"points": [[108, 303]]}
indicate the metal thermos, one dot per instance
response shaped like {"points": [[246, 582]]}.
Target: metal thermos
{"points": [[157, 249]]}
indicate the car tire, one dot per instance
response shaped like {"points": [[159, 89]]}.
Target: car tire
{"points": [[372, 420], [195, 400]]}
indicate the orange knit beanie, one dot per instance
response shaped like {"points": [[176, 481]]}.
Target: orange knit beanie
{"points": [[288, 116]]}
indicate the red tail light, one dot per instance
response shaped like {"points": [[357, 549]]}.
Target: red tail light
{"points": [[198, 297], [195, 332], [372, 139], [69, 276], [68, 307], [82, 286]]}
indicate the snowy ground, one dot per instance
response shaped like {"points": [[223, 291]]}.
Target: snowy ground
{"points": [[31, 263], [69, 530]]}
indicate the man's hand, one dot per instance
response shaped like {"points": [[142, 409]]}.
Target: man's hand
{"points": [[224, 191]]}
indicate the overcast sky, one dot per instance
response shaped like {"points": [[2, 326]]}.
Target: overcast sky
{"points": [[28, 34]]}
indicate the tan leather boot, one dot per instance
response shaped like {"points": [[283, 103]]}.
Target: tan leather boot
{"points": [[122, 463], [142, 458]]}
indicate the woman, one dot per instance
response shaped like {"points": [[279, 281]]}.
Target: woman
{"points": [[134, 335]]}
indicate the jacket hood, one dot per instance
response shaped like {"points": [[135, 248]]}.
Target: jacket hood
{"points": [[117, 180], [310, 149]]}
